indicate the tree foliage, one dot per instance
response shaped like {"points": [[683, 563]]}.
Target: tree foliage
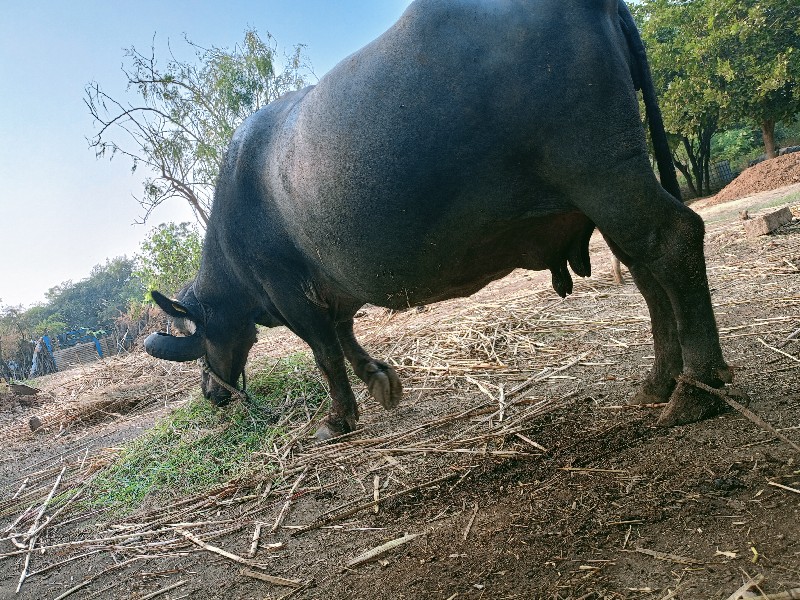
{"points": [[736, 144], [718, 64], [186, 112], [93, 303], [169, 258], [16, 348], [756, 44], [681, 60]]}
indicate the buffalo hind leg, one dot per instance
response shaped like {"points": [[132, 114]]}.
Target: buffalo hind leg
{"points": [[681, 271], [381, 379], [660, 381], [666, 247], [659, 384]]}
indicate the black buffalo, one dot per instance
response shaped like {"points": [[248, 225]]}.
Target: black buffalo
{"points": [[472, 138]]}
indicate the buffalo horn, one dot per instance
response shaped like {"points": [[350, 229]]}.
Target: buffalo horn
{"points": [[169, 347]]}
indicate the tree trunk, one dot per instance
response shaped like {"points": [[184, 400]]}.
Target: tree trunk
{"points": [[684, 169], [696, 164], [705, 152], [768, 134]]}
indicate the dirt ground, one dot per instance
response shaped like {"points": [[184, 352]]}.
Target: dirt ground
{"points": [[514, 460]]}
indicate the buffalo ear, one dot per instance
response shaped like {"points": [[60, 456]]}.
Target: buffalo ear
{"points": [[172, 307]]}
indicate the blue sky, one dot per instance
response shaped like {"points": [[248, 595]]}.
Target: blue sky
{"points": [[61, 210]]}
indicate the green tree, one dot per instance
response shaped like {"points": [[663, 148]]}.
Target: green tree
{"points": [[187, 112], [757, 48], [169, 257], [736, 145], [720, 64], [682, 62], [94, 302], [16, 347]]}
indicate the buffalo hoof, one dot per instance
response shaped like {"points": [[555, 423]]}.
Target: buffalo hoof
{"points": [[725, 374], [384, 384], [652, 393], [329, 429], [689, 404]]}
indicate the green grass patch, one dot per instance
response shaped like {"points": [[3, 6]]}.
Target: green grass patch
{"points": [[791, 198], [199, 446], [779, 201]]}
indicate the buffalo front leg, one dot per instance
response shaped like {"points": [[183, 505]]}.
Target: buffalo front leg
{"points": [[317, 330], [381, 379], [343, 415]]}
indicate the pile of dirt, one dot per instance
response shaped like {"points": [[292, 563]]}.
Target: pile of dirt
{"points": [[768, 175]]}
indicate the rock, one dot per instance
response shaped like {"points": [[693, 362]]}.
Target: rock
{"points": [[767, 223], [19, 389], [35, 423]]}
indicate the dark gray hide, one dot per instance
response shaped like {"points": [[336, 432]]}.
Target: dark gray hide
{"points": [[471, 138]]}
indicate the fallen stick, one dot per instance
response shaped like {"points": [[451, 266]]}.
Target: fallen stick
{"points": [[528, 440], [94, 541], [59, 510], [481, 387], [272, 579], [33, 532], [591, 470], [740, 408], [681, 560], [22, 487], [633, 406], [285, 507], [202, 523], [380, 550], [83, 584], [72, 590], [169, 588], [61, 562], [468, 528], [542, 375], [779, 351], [22, 515], [331, 518], [783, 487], [430, 450], [793, 594], [254, 542], [24, 574], [751, 581], [671, 594], [214, 549]]}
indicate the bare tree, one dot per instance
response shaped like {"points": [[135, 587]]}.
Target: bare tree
{"points": [[186, 112]]}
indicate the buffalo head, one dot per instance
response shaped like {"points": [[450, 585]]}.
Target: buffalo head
{"points": [[207, 333]]}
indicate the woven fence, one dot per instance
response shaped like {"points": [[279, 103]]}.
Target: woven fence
{"points": [[82, 354]]}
